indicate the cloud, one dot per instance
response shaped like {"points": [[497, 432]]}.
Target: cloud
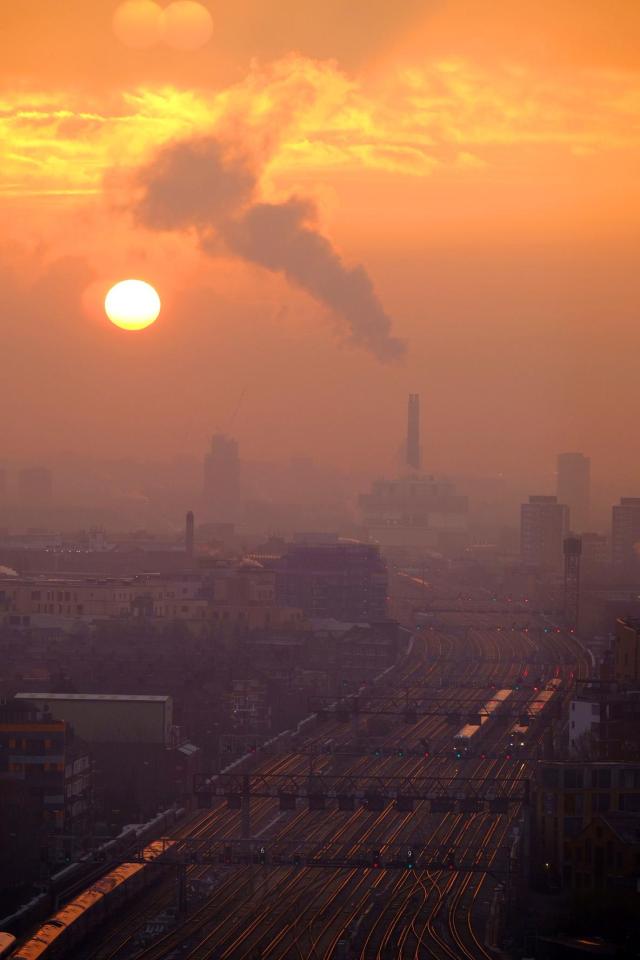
{"points": [[207, 185], [309, 116]]}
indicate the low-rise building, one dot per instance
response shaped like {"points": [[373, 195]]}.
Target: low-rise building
{"points": [[565, 798], [605, 854]]}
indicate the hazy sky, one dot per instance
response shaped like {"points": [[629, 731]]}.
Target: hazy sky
{"points": [[456, 175]]}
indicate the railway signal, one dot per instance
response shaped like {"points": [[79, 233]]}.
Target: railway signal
{"points": [[376, 861], [410, 861]]}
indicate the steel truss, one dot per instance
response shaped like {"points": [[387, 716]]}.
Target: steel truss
{"points": [[411, 854], [464, 794], [413, 707]]}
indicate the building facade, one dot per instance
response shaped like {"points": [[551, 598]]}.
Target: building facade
{"points": [[341, 579], [625, 533], [626, 651], [544, 523], [565, 797], [55, 767]]}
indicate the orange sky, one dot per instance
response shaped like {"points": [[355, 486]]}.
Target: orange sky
{"points": [[479, 159]]}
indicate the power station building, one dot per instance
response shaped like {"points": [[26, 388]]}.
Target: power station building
{"points": [[415, 511]]}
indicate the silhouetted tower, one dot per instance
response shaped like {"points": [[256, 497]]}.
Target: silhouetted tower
{"points": [[413, 431], [572, 549], [189, 538], [222, 480]]}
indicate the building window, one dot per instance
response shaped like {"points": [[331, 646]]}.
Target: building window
{"points": [[572, 826], [601, 778], [630, 778], [573, 778], [601, 802]]}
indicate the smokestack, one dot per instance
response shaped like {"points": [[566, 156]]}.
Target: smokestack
{"points": [[188, 535], [413, 431]]}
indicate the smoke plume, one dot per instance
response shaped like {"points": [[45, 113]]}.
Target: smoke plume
{"points": [[207, 185]]}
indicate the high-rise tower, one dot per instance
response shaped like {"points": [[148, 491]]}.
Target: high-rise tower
{"points": [[222, 480], [574, 480], [413, 431]]}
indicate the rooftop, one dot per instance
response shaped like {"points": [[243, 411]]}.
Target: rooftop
{"points": [[92, 696]]}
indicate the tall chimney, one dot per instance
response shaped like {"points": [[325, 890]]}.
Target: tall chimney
{"points": [[413, 431], [189, 535]]}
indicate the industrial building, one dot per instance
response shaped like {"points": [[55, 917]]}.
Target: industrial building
{"points": [[110, 718], [415, 511]]}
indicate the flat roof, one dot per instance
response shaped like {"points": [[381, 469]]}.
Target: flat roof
{"points": [[91, 696]]}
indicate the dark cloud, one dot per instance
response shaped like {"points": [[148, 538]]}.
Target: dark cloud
{"points": [[204, 185]]}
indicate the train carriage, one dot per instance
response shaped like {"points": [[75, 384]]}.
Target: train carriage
{"points": [[471, 735], [84, 913]]}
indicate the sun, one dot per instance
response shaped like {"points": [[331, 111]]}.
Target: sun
{"points": [[132, 304]]}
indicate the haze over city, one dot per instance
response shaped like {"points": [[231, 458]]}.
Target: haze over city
{"points": [[319, 495], [478, 161]]}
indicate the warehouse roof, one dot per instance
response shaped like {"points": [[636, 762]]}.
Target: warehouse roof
{"points": [[90, 696]]}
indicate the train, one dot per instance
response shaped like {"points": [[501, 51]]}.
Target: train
{"points": [[7, 943], [73, 922], [470, 736], [520, 733]]}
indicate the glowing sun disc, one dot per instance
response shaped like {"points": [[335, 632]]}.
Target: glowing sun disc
{"points": [[132, 304]]}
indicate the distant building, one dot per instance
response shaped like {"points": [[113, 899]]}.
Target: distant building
{"points": [[574, 486], [625, 533], [222, 480], [35, 486], [342, 579], [424, 512], [415, 511], [544, 524], [596, 548]]}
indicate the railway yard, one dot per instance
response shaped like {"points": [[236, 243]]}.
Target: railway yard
{"points": [[409, 843]]}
